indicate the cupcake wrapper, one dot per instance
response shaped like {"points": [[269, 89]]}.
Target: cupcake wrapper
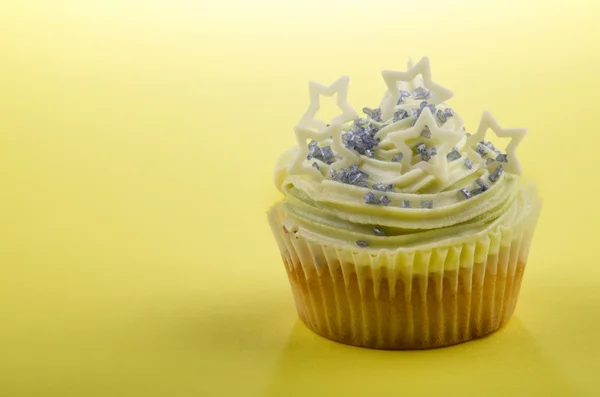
{"points": [[418, 299]]}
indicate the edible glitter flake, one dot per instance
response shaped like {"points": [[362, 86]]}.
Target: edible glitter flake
{"points": [[493, 177], [453, 155], [428, 204], [370, 198], [400, 114], [441, 116], [405, 204], [489, 161], [362, 243], [468, 163], [465, 193], [428, 153], [503, 158], [382, 187], [421, 93], [328, 155], [384, 200], [403, 96], [421, 148], [482, 184], [477, 191], [481, 149], [397, 158]]}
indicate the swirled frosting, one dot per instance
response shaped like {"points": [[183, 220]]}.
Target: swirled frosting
{"points": [[413, 178]]}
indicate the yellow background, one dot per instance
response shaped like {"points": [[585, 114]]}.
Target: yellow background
{"points": [[137, 142]]}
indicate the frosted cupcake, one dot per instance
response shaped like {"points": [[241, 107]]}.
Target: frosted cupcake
{"points": [[400, 229]]}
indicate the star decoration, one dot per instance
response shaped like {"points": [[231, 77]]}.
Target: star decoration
{"points": [[391, 79], [339, 87], [445, 139], [489, 122], [303, 135]]}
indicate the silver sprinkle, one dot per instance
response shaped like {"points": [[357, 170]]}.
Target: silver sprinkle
{"points": [[405, 204], [453, 155], [426, 133], [493, 177], [362, 184], [431, 151], [384, 200], [489, 161], [421, 93], [400, 115], [362, 243], [314, 164], [427, 204], [490, 145], [397, 158], [314, 151], [477, 191], [441, 116], [468, 163], [481, 149], [503, 158], [465, 193], [377, 114], [369, 153], [482, 184], [370, 198], [404, 94], [383, 188], [378, 231], [449, 112], [421, 148], [423, 105], [328, 155], [358, 176], [360, 121]]}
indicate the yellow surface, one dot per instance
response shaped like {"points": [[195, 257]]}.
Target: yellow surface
{"points": [[137, 141]]}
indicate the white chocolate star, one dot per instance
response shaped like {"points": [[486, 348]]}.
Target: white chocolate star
{"points": [[391, 78], [303, 135], [445, 140], [339, 87], [489, 122]]}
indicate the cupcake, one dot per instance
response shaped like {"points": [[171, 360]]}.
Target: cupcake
{"points": [[400, 229]]}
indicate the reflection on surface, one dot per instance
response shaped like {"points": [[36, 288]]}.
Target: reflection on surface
{"points": [[506, 363]]}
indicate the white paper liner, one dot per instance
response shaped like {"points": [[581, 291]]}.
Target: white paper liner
{"points": [[407, 300]]}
